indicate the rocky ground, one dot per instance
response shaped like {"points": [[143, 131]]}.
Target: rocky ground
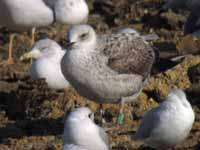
{"points": [[32, 116]]}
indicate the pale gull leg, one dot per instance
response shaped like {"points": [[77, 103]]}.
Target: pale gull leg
{"points": [[120, 119], [10, 60], [102, 112], [133, 98], [32, 40], [33, 36]]}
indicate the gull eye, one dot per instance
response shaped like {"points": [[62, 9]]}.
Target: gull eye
{"points": [[71, 3], [45, 47], [83, 36], [91, 116]]}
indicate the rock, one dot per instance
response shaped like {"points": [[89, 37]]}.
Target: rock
{"points": [[190, 44], [194, 73]]}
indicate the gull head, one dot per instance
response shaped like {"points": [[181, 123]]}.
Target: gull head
{"points": [[82, 37], [41, 48], [71, 11], [179, 96], [80, 114], [81, 130]]}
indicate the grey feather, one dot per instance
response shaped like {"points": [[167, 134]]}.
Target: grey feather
{"points": [[167, 124], [104, 136], [73, 147], [23, 15], [148, 124]]}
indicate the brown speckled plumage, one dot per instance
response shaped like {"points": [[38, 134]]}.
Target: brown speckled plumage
{"points": [[107, 68], [130, 55]]}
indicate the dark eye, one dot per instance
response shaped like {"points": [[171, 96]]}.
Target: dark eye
{"points": [[71, 3], [83, 36], [90, 116], [45, 47]]}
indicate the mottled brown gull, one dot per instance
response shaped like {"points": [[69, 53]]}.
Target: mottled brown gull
{"points": [[109, 69], [24, 15], [168, 124]]}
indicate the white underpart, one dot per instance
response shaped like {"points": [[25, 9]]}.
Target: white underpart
{"points": [[23, 15], [80, 130], [47, 64], [169, 123], [73, 147], [71, 11]]}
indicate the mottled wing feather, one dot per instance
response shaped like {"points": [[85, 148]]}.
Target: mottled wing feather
{"points": [[128, 54]]}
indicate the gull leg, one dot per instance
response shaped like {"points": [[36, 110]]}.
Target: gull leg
{"points": [[63, 102], [101, 111], [32, 39], [33, 36], [10, 60], [120, 119], [133, 98]]}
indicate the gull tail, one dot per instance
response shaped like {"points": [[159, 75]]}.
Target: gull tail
{"points": [[150, 37]]}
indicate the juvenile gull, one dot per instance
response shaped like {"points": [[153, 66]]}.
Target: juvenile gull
{"points": [[24, 15], [80, 130], [47, 54], [109, 69], [168, 124]]}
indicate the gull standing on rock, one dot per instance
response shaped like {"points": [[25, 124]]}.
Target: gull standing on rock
{"points": [[47, 55], [109, 69], [24, 15], [168, 124], [80, 131]]}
